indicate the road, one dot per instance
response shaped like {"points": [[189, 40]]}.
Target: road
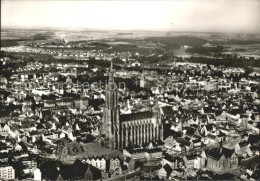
{"points": [[128, 176]]}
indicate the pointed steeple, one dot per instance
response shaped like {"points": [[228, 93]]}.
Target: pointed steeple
{"points": [[110, 123], [111, 73]]}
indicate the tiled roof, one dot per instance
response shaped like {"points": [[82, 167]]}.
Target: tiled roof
{"points": [[136, 116], [171, 158], [243, 143], [217, 153], [76, 171], [167, 110], [191, 156]]}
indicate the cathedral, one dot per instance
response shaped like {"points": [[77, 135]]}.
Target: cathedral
{"points": [[123, 130]]}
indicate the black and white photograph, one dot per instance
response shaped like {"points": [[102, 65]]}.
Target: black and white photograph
{"points": [[129, 90]]}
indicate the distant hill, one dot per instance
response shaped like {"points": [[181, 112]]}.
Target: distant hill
{"points": [[178, 41], [238, 42], [125, 34], [44, 36]]}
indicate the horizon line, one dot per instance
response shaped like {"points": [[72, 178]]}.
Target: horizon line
{"points": [[103, 29]]}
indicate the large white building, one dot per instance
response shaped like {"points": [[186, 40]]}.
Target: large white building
{"points": [[7, 173], [37, 174]]}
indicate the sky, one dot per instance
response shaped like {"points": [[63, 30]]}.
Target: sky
{"points": [[168, 15]]}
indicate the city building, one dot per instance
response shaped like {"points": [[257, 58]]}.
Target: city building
{"points": [[7, 173], [221, 159]]}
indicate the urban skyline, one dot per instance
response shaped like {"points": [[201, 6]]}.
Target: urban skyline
{"points": [[130, 90]]}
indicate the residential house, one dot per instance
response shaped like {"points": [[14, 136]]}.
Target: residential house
{"points": [[4, 129], [210, 139], [115, 166], [192, 161], [165, 171], [76, 171], [220, 159], [173, 161], [139, 153], [243, 148], [130, 163], [177, 174]]}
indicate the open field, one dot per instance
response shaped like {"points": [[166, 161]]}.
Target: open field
{"points": [[154, 45], [251, 49], [93, 149]]}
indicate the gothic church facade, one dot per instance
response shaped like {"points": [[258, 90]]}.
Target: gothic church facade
{"points": [[123, 130]]}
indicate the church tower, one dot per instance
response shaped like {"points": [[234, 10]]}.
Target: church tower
{"points": [[110, 130]]}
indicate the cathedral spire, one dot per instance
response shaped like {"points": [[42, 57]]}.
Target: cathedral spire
{"points": [[110, 130], [111, 73]]}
